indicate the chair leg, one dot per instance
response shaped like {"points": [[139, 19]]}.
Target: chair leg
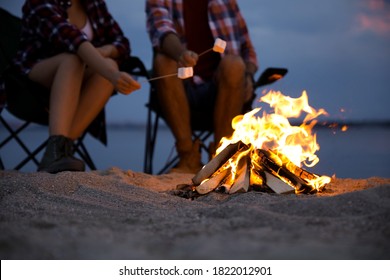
{"points": [[151, 137], [31, 156], [169, 164], [82, 151], [150, 143], [14, 135], [1, 164], [147, 166], [202, 136], [80, 148]]}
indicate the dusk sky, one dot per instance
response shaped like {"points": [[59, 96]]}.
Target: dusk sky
{"points": [[336, 50]]}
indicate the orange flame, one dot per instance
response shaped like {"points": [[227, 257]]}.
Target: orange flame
{"points": [[274, 131]]}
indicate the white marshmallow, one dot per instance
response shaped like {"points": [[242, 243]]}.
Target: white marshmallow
{"points": [[219, 45], [185, 72]]}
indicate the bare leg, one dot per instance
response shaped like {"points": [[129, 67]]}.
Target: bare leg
{"points": [[95, 93], [176, 112], [76, 97], [63, 74], [74, 103], [230, 96]]}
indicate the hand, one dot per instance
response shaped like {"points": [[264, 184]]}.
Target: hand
{"points": [[125, 84], [107, 51], [188, 59]]}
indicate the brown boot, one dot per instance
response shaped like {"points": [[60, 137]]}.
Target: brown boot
{"points": [[58, 156]]}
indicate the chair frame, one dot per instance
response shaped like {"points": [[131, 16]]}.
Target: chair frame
{"points": [[10, 25], [133, 65], [79, 146]]}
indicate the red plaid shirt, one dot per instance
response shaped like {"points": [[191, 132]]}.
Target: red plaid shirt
{"points": [[225, 21], [46, 31]]}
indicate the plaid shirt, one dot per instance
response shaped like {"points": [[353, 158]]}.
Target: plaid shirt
{"points": [[225, 21], [46, 31]]}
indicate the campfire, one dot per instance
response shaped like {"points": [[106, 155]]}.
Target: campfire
{"points": [[266, 153]]}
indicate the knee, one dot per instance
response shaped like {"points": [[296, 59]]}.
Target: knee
{"points": [[72, 62], [163, 65], [231, 68]]}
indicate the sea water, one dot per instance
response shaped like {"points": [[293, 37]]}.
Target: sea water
{"points": [[362, 151]]}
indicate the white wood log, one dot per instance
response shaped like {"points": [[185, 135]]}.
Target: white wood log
{"points": [[241, 183], [227, 183], [277, 185], [212, 183], [214, 164]]}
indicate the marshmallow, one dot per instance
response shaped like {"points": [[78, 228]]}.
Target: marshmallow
{"points": [[219, 45], [185, 72]]}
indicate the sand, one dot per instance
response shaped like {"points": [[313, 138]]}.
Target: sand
{"points": [[121, 214]]}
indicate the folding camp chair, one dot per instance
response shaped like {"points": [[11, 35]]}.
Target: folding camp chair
{"points": [[200, 123], [29, 101]]}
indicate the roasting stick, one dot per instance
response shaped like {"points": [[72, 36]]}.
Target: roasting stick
{"points": [[183, 73], [161, 77], [219, 46], [187, 72], [206, 51]]}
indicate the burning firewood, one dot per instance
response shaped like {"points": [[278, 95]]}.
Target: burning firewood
{"points": [[281, 171], [217, 172], [235, 181], [241, 182], [211, 184], [214, 164], [278, 169], [252, 157], [277, 185], [238, 168]]}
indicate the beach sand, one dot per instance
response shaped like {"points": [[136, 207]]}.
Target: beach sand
{"points": [[121, 214]]}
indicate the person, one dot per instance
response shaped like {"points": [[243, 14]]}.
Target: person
{"points": [[73, 48], [180, 30]]}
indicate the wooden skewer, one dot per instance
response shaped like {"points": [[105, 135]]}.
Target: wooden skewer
{"points": [[206, 51], [170, 75], [183, 73], [161, 77]]}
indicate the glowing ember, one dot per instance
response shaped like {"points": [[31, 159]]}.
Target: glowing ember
{"points": [[286, 145]]}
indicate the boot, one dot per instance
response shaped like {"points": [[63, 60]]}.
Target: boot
{"points": [[58, 156]]}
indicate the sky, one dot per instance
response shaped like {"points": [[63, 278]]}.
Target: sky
{"points": [[336, 50]]}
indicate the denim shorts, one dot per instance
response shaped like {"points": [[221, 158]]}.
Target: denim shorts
{"points": [[201, 97]]}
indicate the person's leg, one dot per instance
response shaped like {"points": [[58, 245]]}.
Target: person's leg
{"points": [[73, 103], [63, 74], [176, 111], [95, 93], [230, 97]]}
